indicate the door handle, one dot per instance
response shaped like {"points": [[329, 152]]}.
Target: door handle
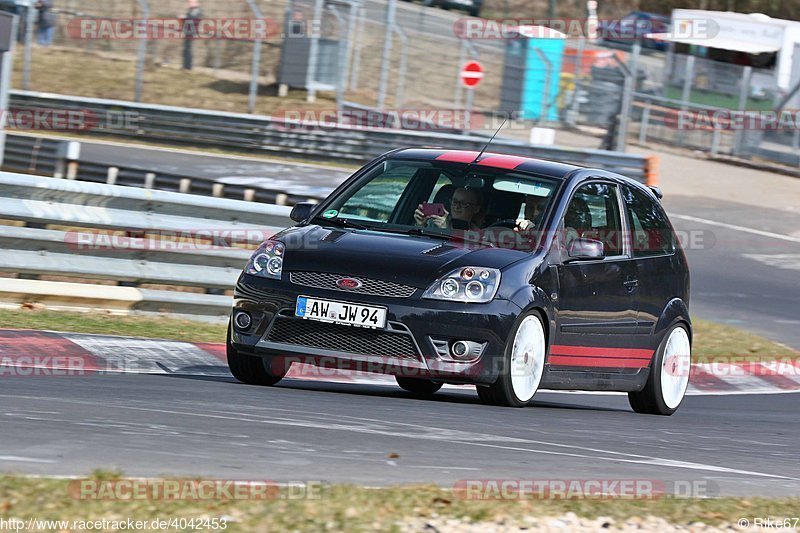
{"points": [[631, 284]]}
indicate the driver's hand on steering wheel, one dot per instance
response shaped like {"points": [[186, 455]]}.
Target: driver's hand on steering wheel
{"points": [[523, 224]]}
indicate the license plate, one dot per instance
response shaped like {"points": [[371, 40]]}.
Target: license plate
{"points": [[349, 314]]}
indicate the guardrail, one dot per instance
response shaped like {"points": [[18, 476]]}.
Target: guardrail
{"points": [[34, 154], [61, 158], [79, 244], [243, 132]]}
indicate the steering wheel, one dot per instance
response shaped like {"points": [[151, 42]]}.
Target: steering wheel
{"points": [[510, 223]]}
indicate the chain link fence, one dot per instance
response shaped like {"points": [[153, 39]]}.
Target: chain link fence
{"points": [[390, 56]]}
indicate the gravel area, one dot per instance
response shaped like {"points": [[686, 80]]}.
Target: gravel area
{"points": [[568, 522]]}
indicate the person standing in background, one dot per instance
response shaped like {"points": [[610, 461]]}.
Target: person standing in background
{"points": [[46, 22], [190, 22]]}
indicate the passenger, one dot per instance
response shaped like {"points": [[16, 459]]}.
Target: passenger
{"points": [[466, 212]]}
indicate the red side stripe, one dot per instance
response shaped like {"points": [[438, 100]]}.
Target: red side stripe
{"points": [[597, 362], [503, 161], [593, 351], [458, 157]]}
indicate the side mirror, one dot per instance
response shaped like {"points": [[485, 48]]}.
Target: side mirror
{"points": [[586, 249], [656, 191], [301, 211]]}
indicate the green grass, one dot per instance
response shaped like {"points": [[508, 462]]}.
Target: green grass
{"points": [[725, 101], [108, 324], [349, 508], [711, 340]]}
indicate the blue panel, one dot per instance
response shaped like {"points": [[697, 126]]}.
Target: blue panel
{"points": [[533, 92]]}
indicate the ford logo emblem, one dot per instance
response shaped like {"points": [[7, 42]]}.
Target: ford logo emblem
{"points": [[348, 284]]}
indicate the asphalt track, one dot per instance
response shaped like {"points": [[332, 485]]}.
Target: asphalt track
{"points": [[373, 434], [149, 425]]}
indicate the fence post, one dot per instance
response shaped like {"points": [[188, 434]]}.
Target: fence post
{"points": [[341, 77], [572, 116], [715, 138], [255, 66], [744, 91], [142, 54], [218, 190], [645, 123], [185, 185], [357, 46], [627, 97], [462, 57], [30, 13], [391, 8], [6, 59], [149, 180], [401, 74], [313, 52], [686, 94]]}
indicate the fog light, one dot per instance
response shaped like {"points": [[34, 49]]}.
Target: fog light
{"points": [[460, 349], [242, 320]]}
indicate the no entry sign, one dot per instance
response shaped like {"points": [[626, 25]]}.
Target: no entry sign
{"points": [[471, 74]]}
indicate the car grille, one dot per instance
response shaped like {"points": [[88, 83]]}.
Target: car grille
{"points": [[347, 339], [374, 287]]}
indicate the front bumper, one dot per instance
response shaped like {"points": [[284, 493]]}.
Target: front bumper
{"points": [[405, 347]]}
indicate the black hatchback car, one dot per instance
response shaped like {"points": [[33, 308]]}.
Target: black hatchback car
{"points": [[509, 273]]}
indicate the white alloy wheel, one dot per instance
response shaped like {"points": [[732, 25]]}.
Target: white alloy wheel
{"points": [[527, 358], [675, 366]]}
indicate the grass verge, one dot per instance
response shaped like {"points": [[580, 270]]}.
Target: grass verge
{"points": [[711, 340], [350, 508]]}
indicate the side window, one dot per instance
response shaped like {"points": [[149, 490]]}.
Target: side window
{"points": [[651, 233], [376, 200], [593, 213]]}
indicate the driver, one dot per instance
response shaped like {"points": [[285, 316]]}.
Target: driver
{"points": [[534, 210]]}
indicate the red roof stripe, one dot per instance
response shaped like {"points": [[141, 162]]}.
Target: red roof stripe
{"points": [[503, 161], [458, 157]]}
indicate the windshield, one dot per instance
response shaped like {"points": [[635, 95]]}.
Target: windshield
{"points": [[445, 199]]}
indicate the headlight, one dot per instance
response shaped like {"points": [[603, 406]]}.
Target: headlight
{"points": [[466, 284], [267, 260]]}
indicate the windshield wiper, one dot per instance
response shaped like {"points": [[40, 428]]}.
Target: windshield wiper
{"points": [[458, 237], [341, 222]]}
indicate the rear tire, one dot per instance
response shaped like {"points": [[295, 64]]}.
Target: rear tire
{"points": [[669, 375], [254, 370], [523, 365], [419, 387]]}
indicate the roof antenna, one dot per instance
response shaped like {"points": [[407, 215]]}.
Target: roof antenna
{"points": [[490, 141]]}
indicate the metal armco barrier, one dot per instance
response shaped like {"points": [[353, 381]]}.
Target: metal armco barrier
{"points": [[138, 241], [236, 131], [34, 154]]}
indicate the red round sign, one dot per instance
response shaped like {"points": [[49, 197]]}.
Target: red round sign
{"points": [[471, 74]]}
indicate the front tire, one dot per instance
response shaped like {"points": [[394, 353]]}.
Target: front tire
{"points": [[669, 375], [419, 387], [253, 370], [523, 365]]}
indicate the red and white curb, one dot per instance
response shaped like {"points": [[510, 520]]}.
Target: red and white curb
{"points": [[29, 352]]}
